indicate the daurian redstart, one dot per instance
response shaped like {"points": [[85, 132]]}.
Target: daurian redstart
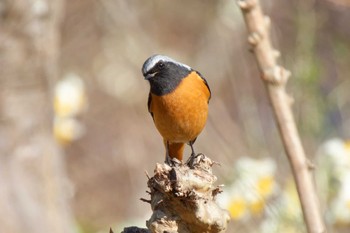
{"points": [[178, 102]]}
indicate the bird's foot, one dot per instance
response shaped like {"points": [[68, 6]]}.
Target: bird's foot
{"points": [[172, 162], [194, 159], [168, 160]]}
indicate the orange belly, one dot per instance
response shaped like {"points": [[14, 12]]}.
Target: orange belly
{"points": [[181, 115]]}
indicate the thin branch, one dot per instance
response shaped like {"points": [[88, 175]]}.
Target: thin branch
{"points": [[145, 200], [275, 78]]}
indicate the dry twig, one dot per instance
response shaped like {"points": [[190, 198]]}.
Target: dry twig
{"points": [[275, 78]]}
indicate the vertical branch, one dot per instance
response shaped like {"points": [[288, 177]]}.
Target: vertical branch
{"points": [[275, 78]]}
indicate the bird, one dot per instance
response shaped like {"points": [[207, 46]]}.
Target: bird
{"points": [[178, 103]]}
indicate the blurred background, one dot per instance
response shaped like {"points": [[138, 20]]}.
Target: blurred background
{"points": [[76, 137]]}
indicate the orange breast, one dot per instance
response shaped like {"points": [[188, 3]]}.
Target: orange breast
{"points": [[181, 115]]}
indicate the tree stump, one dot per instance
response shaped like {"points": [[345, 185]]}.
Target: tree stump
{"points": [[183, 199]]}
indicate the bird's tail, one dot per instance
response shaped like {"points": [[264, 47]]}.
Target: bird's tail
{"points": [[176, 150]]}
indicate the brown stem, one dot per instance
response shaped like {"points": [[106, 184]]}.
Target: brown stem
{"points": [[275, 78]]}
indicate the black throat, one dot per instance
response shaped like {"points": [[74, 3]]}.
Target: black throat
{"points": [[168, 79]]}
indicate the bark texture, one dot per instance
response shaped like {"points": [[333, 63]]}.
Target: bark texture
{"points": [[183, 199]]}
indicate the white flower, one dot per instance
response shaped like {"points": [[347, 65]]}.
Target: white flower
{"points": [[340, 206], [254, 183], [337, 152], [284, 214], [70, 97], [67, 129], [333, 177]]}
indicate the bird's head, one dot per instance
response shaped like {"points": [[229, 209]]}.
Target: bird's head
{"points": [[164, 73]]}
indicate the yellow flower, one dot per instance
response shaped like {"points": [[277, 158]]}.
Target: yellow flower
{"points": [[66, 130], [347, 145], [237, 207], [265, 186], [257, 206]]}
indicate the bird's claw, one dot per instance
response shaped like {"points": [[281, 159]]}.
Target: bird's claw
{"points": [[172, 162], [193, 160]]}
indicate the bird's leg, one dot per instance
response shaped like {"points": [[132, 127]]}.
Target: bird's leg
{"points": [[193, 154], [190, 161], [167, 155]]}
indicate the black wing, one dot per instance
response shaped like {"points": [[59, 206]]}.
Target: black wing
{"points": [[149, 103]]}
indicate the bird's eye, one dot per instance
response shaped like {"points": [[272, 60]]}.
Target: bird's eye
{"points": [[160, 65]]}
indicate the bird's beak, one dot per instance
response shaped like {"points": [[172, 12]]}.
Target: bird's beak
{"points": [[149, 76]]}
